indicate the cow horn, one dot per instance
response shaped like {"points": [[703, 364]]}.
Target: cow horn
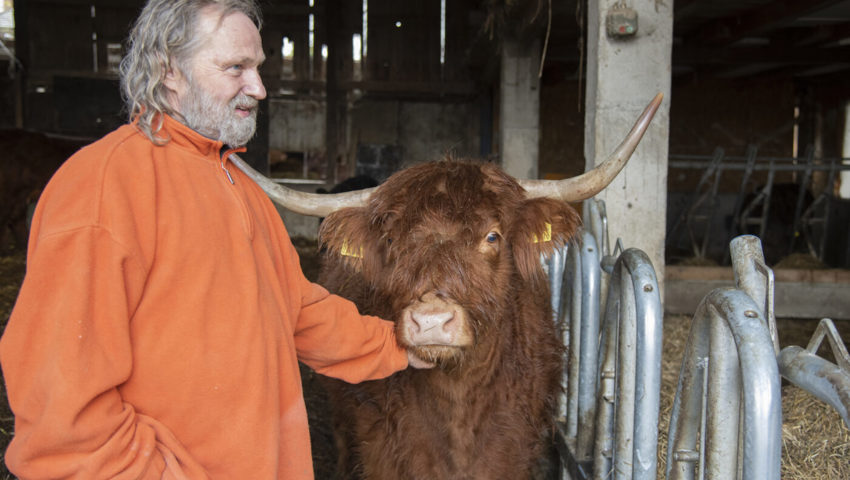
{"points": [[569, 190], [590, 183], [305, 203]]}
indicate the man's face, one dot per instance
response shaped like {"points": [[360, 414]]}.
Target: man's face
{"points": [[219, 94]]}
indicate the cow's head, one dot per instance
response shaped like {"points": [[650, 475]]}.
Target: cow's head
{"points": [[439, 247], [439, 244]]}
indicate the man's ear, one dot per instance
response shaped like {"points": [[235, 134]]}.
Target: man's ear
{"points": [[344, 234], [540, 226], [175, 82]]}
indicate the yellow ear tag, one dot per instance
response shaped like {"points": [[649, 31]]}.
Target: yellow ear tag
{"points": [[547, 235], [347, 251]]}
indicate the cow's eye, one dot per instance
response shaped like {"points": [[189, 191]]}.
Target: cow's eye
{"points": [[491, 243]]}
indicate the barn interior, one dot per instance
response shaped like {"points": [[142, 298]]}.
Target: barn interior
{"points": [[366, 88], [753, 135]]}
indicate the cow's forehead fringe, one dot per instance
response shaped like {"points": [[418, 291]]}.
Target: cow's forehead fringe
{"points": [[450, 189]]}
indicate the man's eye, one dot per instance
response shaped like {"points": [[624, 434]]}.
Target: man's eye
{"points": [[235, 68]]}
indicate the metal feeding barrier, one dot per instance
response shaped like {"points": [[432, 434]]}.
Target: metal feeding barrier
{"points": [[753, 206], [727, 415], [609, 413], [726, 421]]}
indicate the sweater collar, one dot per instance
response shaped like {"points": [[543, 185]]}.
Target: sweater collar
{"points": [[184, 136]]}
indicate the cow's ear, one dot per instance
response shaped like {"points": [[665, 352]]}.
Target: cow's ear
{"points": [[343, 234], [540, 226]]}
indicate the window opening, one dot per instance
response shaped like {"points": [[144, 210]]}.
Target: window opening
{"points": [[844, 191], [287, 55], [93, 41]]}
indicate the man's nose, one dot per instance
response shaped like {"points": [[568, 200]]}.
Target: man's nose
{"points": [[254, 85]]}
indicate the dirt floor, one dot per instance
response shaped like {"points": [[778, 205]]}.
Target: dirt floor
{"points": [[816, 443]]}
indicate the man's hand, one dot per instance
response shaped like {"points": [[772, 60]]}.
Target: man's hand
{"points": [[417, 362]]}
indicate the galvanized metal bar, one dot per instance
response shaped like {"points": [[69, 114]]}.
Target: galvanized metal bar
{"points": [[630, 373], [554, 267], [572, 337], [759, 391], [649, 314], [684, 456], [589, 332], [823, 379], [603, 451], [624, 414], [735, 162], [581, 327], [755, 278], [801, 195], [595, 219], [721, 421]]}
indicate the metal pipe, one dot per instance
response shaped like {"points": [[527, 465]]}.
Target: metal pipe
{"points": [[823, 379], [755, 278], [630, 372], [626, 354], [758, 389], [649, 314], [589, 344], [572, 337], [554, 267]]}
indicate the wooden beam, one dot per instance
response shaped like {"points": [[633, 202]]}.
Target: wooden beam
{"points": [[726, 31], [135, 5], [799, 293], [703, 56], [682, 8], [822, 35]]}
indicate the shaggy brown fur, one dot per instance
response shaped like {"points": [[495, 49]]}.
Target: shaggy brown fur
{"points": [[465, 232]]}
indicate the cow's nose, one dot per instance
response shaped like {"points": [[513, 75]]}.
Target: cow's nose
{"points": [[425, 322]]}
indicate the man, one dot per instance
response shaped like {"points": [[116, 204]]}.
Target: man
{"points": [[158, 329]]}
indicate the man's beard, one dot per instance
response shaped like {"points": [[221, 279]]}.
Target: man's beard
{"points": [[217, 120]]}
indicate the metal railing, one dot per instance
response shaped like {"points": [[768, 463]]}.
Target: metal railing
{"points": [[630, 373], [811, 215], [830, 382], [726, 421], [609, 413]]}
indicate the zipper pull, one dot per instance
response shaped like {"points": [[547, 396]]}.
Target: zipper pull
{"points": [[227, 172]]}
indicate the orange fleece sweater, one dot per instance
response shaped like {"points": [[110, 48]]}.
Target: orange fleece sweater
{"points": [[158, 329]]}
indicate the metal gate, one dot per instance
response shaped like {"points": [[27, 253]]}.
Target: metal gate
{"points": [[726, 421], [609, 414]]}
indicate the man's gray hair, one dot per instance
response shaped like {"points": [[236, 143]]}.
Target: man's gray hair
{"points": [[164, 37]]}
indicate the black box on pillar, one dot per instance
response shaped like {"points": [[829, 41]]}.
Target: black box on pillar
{"points": [[621, 21]]}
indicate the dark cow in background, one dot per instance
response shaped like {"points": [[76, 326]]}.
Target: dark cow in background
{"points": [[450, 251], [357, 182], [28, 161]]}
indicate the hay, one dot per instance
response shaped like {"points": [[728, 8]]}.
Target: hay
{"points": [[815, 440], [800, 261]]}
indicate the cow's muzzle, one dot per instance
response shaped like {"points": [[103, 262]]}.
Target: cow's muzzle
{"points": [[432, 323]]}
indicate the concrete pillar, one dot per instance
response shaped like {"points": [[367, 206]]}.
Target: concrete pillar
{"points": [[623, 75], [519, 108]]}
